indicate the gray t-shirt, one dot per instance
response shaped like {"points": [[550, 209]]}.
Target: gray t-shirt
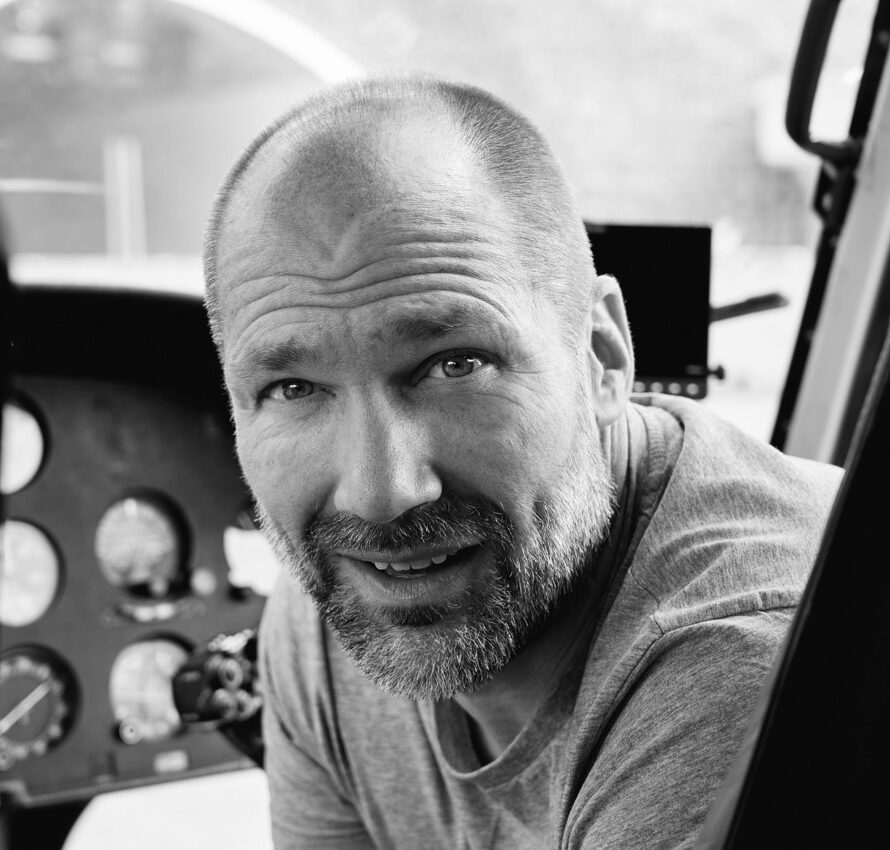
{"points": [[629, 749]]}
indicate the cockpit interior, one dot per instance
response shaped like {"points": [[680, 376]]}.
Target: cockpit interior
{"points": [[134, 573]]}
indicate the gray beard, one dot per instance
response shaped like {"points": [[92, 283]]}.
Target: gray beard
{"points": [[434, 652]]}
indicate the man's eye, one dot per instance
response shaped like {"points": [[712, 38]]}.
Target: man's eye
{"points": [[292, 389], [457, 366]]}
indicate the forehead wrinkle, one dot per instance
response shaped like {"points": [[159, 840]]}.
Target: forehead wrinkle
{"points": [[276, 357], [243, 350], [393, 268], [418, 329], [364, 294], [375, 250], [382, 271], [471, 256], [421, 328], [401, 255], [424, 274], [426, 327]]}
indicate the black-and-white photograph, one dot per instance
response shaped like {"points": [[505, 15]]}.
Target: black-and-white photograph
{"points": [[444, 424]]}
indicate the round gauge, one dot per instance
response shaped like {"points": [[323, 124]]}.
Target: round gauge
{"points": [[138, 545], [22, 448], [36, 700], [141, 690], [29, 573]]}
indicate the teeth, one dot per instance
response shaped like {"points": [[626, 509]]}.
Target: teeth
{"points": [[420, 565], [404, 566]]}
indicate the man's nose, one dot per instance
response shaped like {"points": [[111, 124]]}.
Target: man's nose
{"points": [[384, 466]]}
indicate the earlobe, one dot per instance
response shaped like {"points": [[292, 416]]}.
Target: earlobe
{"points": [[611, 353]]}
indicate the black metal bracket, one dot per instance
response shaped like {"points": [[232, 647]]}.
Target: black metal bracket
{"points": [[805, 82], [837, 176]]}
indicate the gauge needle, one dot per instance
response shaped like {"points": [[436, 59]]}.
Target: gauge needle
{"points": [[24, 707]]}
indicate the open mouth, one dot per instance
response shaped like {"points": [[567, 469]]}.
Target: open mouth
{"points": [[423, 567]]}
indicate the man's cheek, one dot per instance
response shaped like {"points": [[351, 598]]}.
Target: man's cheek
{"points": [[526, 446], [273, 467], [493, 433]]}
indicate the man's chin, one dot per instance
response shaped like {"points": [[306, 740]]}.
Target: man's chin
{"points": [[415, 617], [444, 632], [425, 662]]}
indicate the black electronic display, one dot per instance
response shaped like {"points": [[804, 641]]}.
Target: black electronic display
{"points": [[665, 275]]}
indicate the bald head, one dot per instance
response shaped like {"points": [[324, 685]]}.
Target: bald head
{"points": [[383, 165], [372, 146]]}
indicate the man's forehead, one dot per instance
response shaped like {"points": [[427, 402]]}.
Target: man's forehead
{"points": [[394, 326], [416, 170], [396, 240], [341, 227], [361, 162]]}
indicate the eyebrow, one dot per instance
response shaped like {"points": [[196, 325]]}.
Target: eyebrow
{"points": [[279, 357], [405, 329]]}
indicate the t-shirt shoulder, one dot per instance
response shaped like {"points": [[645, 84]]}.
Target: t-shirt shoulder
{"points": [[738, 525], [302, 658]]}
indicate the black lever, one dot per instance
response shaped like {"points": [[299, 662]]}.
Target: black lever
{"points": [[805, 81], [755, 304], [217, 688]]}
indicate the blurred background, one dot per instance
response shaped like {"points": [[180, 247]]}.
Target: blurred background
{"points": [[119, 118]]}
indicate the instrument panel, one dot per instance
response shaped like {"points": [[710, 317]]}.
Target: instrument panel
{"points": [[122, 497]]}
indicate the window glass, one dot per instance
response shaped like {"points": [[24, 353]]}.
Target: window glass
{"points": [[123, 115]]}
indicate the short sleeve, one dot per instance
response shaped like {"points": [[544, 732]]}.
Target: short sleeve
{"points": [[309, 808], [675, 735]]}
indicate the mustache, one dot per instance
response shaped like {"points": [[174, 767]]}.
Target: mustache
{"points": [[448, 520]]}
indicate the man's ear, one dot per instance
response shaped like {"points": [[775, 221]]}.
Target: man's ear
{"points": [[610, 352]]}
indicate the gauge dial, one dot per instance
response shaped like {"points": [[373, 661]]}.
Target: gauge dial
{"points": [[141, 690], [29, 573], [22, 448], [138, 545], [36, 699]]}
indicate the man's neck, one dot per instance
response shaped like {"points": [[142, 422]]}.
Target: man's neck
{"points": [[500, 710]]}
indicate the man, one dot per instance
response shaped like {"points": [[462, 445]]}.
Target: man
{"points": [[522, 611]]}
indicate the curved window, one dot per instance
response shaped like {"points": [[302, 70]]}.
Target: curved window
{"points": [[121, 117]]}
